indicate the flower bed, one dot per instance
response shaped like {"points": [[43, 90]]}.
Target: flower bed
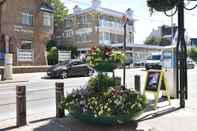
{"points": [[104, 100], [110, 105]]}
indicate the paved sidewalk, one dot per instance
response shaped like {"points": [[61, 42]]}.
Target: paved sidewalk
{"points": [[165, 118], [25, 77]]}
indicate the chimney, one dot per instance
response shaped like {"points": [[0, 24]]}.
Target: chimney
{"points": [[76, 9], [96, 3]]}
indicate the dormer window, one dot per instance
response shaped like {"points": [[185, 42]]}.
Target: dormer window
{"points": [[27, 19], [47, 19]]}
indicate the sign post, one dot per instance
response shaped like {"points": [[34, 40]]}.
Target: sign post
{"points": [[124, 22]]}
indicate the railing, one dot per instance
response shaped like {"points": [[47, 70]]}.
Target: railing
{"points": [[25, 55]]}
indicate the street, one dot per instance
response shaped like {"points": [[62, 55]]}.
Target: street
{"points": [[41, 92]]}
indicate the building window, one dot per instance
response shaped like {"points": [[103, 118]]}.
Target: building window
{"points": [[104, 37], [26, 44], [68, 34], [47, 19], [27, 19], [83, 19]]}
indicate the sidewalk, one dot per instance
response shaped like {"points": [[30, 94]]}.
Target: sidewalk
{"points": [[25, 77], [166, 118]]}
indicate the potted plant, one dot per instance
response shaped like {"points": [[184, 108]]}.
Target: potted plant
{"points": [[161, 5], [104, 100]]}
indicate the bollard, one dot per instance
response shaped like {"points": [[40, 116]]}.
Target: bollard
{"points": [[21, 116], [2, 74], [59, 99], [137, 83]]}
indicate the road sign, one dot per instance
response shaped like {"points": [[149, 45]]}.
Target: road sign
{"points": [[124, 19]]}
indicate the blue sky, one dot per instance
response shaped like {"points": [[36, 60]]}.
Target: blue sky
{"points": [[145, 23]]}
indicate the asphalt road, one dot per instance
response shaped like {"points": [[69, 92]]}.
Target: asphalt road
{"points": [[41, 92]]}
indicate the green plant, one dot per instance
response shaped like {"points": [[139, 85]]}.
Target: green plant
{"points": [[192, 53], [118, 105], [105, 81], [105, 59], [52, 56], [161, 5]]}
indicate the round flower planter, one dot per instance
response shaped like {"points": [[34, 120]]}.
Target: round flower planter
{"points": [[162, 5], [104, 120], [105, 67]]}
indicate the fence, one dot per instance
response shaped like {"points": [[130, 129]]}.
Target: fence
{"points": [[25, 55]]}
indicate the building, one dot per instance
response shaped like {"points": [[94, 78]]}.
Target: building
{"points": [[28, 25], [169, 32], [193, 42], [96, 26], [165, 31]]}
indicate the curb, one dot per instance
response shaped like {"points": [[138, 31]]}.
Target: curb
{"points": [[13, 81]]}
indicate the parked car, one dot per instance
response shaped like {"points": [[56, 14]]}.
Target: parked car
{"points": [[138, 63], [190, 64], [70, 68], [154, 61]]}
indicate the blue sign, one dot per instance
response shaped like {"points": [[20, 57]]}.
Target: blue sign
{"points": [[1, 56]]}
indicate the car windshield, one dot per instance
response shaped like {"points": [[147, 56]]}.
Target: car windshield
{"points": [[64, 62], [156, 57]]}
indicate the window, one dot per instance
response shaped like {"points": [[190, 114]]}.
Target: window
{"points": [[26, 44], [27, 19], [104, 37], [83, 19], [47, 19], [68, 34]]}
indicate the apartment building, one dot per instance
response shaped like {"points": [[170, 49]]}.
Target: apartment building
{"points": [[96, 26], [28, 24]]}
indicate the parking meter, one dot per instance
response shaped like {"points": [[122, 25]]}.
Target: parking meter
{"points": [[169, 68]]}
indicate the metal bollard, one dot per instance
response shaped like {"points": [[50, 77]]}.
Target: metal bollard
{"points": [[21, 115], [59, 99], [137, 83]]}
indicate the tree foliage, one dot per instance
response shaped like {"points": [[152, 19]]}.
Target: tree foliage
{"points": [[60, 11], [159, 41], [192, 53]]}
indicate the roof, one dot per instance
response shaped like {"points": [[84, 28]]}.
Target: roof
{"points": [[139, 46], [46, 7], [102, 10]]}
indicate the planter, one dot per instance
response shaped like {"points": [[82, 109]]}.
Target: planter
{"points": [[162, 5], [105, 67], [104, 120]]}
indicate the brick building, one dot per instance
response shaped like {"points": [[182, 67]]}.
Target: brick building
{"points": [[96, 26], [29, 25]]}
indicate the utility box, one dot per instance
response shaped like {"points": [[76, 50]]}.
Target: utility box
{"points": [[169, 68]]}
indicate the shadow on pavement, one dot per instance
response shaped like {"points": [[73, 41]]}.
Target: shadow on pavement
{"points": [[71, 124], [159, 113]]}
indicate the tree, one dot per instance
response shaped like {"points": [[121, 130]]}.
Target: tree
{"points": [[60, 11], [193, 54], [159, 41]]}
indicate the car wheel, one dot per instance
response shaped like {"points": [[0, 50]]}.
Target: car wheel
{"points": [[64, 75]]}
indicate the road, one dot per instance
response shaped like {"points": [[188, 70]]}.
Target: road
{"points": [[41, 92]]}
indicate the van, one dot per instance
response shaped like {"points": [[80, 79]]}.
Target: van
{"points": [[154, 61]]}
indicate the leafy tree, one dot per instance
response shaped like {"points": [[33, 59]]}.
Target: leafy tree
{"points": [[51, 44], [70, 47], [193, 54], [152, 41], [60, 11], [52, 56], [160, 41], [164, 42]]}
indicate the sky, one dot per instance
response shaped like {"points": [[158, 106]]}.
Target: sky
{"points": [[145, 23]]}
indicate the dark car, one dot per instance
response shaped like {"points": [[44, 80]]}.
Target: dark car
{"points": [[70, 68]]}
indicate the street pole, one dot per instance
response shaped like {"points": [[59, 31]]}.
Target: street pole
{"points": [[124, 49], [181, 56]]}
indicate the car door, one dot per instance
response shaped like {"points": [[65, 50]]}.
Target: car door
{"points": [[75, 68]]}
